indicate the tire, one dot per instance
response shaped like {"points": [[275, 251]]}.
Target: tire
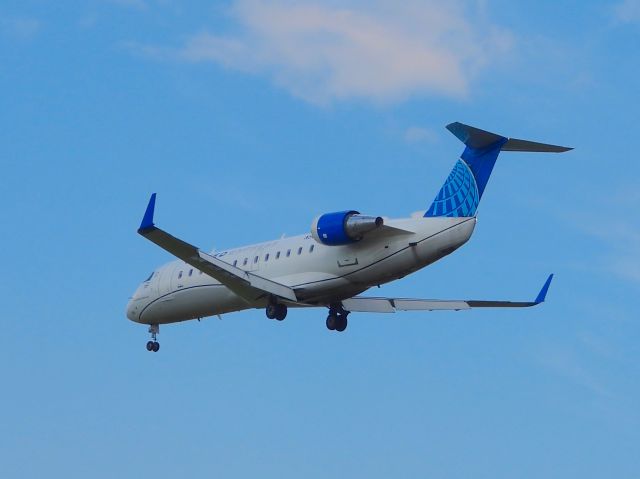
{"points": [[331, 322], [149, 345], [271, 311], [281, 312], [156, 346], [342, 323]]}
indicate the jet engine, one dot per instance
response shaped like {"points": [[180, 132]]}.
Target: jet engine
{"points": [[343, 227]]}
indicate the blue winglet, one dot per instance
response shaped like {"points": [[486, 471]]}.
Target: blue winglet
{"points": [[147, 220], [543, 292]]}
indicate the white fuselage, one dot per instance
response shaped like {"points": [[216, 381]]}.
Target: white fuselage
{"points": [[319, 274]]}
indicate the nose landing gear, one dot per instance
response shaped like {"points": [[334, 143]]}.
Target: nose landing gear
{"points": [[153, 345]]}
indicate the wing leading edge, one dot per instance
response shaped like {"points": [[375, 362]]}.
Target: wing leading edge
{"points": [[391, 305], [248, 285]]}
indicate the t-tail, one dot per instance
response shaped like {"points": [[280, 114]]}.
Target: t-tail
{"points": [[463, 189]]}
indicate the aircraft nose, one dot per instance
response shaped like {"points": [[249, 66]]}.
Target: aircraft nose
{"points": [[132, 310]]}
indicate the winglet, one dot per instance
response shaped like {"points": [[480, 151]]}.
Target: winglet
{"points": [[543, 292], [147, 219]]}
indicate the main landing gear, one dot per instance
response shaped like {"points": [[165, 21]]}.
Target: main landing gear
{"points": [[337, 319], [153, 345], [276, 311]]}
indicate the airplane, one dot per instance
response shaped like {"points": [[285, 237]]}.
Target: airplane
{"points": [[343, 255]]}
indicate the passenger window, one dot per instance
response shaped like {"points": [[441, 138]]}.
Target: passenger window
{"points": [[277, 257], [180, 275], [288, 253], [255, 260], [190, 272], [244, 263], [266, 257], [235, 262], [311, 248], [300, 250]]}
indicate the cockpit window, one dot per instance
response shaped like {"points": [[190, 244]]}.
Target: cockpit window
{"points": [[149, 278]]}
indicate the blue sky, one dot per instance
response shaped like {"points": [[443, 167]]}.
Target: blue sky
{"points": [[250, 118]]}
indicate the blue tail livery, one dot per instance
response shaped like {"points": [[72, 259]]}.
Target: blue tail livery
{"points": [[463, 189]]}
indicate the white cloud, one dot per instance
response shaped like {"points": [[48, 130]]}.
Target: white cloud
{"points": [[418, 134], [627, 11], [383, 51]]}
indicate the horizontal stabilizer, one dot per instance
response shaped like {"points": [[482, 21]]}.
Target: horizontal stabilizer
{"points": [[478, 139], [514, 144]]}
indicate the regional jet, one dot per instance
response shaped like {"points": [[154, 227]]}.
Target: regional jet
{"points": [[344, 254]]}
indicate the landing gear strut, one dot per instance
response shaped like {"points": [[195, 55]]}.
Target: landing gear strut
{"points": [[337, 319], [276, 311], [153, 345]]}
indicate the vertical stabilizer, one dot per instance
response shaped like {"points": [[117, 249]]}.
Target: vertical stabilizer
{"points": [[463, 189]]}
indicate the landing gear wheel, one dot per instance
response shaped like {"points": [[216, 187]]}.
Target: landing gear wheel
{"points": [[272, 309], [342, 323], [337, 319], [153, 345], [281, 311]]}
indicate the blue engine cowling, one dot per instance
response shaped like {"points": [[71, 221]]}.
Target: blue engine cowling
{"points": [[343, 227]]}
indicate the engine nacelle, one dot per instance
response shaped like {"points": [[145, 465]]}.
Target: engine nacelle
{"points": [[343, 227]]}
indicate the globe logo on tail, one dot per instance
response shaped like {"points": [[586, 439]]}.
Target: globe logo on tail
{"points": [[458, 196]]}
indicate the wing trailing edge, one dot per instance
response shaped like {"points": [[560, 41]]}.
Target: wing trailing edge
{"points": [[392, 305]]}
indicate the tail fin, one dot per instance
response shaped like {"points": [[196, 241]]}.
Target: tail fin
{"points": [[461, 193]]}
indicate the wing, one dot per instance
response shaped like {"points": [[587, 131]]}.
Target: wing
{"points": [[248, 285], [391, 305]]}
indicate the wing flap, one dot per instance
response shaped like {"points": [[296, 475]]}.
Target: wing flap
{"points": [[391, 305], [429, 305], [369, 305]]}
